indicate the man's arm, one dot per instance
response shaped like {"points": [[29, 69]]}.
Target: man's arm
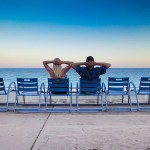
{"points": [[107, 65], [75, 65]]}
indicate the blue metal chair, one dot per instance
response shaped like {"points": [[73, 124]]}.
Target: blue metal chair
{"points": [[89, 88], [143, 89], [58, 87], [118, 86], [3, 91], [28, 87]]}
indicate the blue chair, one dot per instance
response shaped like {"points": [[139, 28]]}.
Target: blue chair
{"points": [[118, 86], [28, 87], [89, 88], [58, 87], [3, 91], [143, 89]]}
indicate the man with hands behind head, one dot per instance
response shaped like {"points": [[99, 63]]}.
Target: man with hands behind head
{"points": [[90, 72]]}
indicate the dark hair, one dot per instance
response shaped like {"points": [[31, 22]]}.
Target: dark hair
{"points": [[89, 58]]}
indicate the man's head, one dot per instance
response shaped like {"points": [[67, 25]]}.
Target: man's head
{"points": [[89, 58], [90, 61]]}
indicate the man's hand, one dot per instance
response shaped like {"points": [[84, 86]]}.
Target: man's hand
{"points": [[90, 64]]}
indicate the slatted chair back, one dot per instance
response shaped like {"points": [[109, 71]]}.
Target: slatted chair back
{"points": [[27, 85], [144, 87], [2, 87], [6, 91], [58, 86], [118, 85], [90, 87]]}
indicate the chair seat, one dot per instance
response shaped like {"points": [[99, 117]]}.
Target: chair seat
{"points": [[28, 94], [143, 92], [117, 93], [88, 93]]}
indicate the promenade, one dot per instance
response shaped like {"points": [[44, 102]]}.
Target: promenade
{"points": [[75, 131]]}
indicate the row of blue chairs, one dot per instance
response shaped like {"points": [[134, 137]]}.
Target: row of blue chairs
{"points": [[61, 87]]}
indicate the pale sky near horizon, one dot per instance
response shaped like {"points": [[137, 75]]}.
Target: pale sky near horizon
{"points": [[115, 31]]}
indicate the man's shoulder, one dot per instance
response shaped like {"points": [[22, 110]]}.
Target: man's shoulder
{"points": [[102, 67], [80, 67]]}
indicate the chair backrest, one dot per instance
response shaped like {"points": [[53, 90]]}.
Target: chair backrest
{"points": [[27, 85], [90, 86], [58, 86], [118, 84], [2, 86], [144, 84]]}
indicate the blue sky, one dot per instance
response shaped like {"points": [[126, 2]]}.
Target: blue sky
{"points": [[114, 31]]}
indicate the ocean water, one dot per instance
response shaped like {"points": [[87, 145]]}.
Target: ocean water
{"points": [[10, 74]]}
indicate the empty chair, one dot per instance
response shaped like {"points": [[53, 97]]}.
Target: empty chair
{"points": [[143, 89], [89, 88], [118, 86], [28, 87], [4, 91], [58, 88]]}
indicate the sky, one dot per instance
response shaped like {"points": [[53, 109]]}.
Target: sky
{"points": [[113, 31]]}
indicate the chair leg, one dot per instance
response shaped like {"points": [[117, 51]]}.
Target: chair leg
{"points": [[77, 105], [23, 99], [46, 101], [70, 102], [106, 103], [129, 101], [7, 101], [149, 98], [39, 108], [98, 99], [16, 101], [137, 100], [102, 102], [123, 98], [50, 99]]}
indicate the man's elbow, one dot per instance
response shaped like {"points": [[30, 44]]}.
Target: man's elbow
{"points": [[108, 65]]}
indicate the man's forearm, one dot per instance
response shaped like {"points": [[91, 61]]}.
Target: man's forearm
{"points": [[74, 65], [107, 65]]}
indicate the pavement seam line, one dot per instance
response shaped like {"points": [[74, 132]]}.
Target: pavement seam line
{"points": [[40, 131]]}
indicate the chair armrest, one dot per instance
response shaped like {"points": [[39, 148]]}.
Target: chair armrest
{"points": [[10, 85], [77, 88], [134, 88], [42, 87], [70, 88], [103, 87]]}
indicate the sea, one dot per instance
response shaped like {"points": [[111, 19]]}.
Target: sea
{"points": [[10, 74]]}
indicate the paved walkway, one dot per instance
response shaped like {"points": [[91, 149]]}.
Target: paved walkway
{"points": [[75, 131]]}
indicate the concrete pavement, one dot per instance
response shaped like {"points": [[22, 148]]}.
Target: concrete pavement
{"points": [[75, 131]]}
